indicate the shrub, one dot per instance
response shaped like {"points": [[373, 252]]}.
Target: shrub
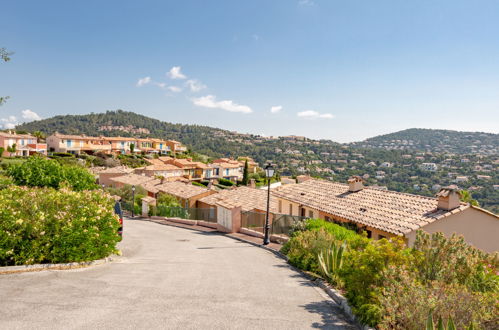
{"points": [[362, 274], [339, 232], [167, 200], [406, 302], [194, 183], [225, 182], [62, 154], [42, 172], [44, 225], [303, 249]]}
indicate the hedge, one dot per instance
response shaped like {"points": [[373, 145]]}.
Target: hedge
{"points": [[44, 225]]}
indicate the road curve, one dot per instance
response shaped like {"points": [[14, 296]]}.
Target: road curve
{"points": [[170, 278]]}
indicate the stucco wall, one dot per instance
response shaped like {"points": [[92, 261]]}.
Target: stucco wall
{"points": [[479, 229]]}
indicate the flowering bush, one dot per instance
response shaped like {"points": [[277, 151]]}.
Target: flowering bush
{"points": [[44, 225], [42, 172]]}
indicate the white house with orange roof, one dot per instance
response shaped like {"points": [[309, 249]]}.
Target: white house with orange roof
{"points": [[24, 144]]}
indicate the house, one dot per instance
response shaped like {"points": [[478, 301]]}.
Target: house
{"points": [[118, 145], [385, 164], [385, 213], [130, 179], [250, 199], [186, 193], [230, 169], [167, 171], [252, 165], [175, 146], [75, 144], [107, 174], [192, 170], [432, 167], [461, 178], [25, 144]]}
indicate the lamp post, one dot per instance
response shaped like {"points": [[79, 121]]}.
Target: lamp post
{"points": [[269, 173], [133, 200], [103, 187]]}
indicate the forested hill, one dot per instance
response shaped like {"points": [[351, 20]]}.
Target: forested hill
{"points": [[435, 140], [205, 140]]}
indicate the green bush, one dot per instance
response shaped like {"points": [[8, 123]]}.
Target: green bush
{"points": [[62, 154], [362, 274], [194, 183], [225, 182], [44, 225], [339, 232], [42, 172], [303, 249]]}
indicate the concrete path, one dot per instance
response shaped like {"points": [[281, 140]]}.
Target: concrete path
{"points": [[170, 278]]}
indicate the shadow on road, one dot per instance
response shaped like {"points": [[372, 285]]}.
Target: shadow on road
{"points": [[331, 316]]}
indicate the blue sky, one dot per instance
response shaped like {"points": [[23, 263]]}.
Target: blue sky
{"points": [[341, 70]]}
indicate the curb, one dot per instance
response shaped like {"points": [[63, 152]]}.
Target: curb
{"points": [[331, 292], [6, 270]]}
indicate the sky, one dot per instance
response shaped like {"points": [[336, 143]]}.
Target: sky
{"points": [[325, 69]]}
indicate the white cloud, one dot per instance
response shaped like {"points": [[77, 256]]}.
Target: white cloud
{"points": [[9, 122], [311, 114], [210, 101], [30, 115], [195, 85], [160, 85], [143, 81], [306, 2], [175, 73], [276, 108], [174, 89]]}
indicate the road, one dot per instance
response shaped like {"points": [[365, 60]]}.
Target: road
{"points": [[170, 278]]}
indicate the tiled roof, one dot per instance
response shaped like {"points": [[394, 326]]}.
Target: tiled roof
{"points": [[228, 165], [117, 169], [248, 198], [164, 158], [18, 136], [154, 161], [162, 167], [132, 179], [180, 189], [390, 211], [75, 137]]}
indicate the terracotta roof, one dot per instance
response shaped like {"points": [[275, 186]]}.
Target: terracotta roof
{"points": [[75, 137], [117, 169], [18, 136], [390, 211], [180, 189], [132, 179], [154, 161], [162, 167], [229, 165], [164, 158], [248, 198]]}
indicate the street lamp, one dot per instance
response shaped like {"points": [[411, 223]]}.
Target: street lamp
{"points": [[133, 200], [269, 173], [103, 187]]}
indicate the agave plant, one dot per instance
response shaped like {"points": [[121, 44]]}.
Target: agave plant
{"points": [[430, 325], [331, 260]]}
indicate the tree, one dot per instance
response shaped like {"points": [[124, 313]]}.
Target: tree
{"points": [[39, 135], [466, 197], [4, 56], [2, 149], [132, 147], [12, 149], [245, 174]]}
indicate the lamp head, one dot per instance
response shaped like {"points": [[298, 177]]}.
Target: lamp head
{"points": [[269, 170]]}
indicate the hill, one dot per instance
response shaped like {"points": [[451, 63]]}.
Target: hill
{"points": [[394, 161], [435, 140]]}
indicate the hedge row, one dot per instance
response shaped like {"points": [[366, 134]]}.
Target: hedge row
{"points": [[44, 225]]}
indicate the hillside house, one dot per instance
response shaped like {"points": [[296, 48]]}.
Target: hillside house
{"points": [[384, 213], [25, 144]]}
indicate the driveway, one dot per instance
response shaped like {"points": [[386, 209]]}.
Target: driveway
{"points": [[170, 278]]}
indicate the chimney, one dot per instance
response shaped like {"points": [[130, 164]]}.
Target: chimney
{"points": [[449, 198], [355, 184]]}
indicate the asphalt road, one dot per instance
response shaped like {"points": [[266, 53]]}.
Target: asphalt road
{"points": [[170, 278]]}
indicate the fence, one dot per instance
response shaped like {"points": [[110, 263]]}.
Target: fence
{"points": [[184, 213], [281, 223]]}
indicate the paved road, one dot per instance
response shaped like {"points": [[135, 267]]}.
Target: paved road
{"points": [[170, 278]]}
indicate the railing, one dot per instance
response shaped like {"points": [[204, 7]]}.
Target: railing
{"points": [[204, 214], [281, 224]]}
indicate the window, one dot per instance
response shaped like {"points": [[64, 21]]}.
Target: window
{"points": [[290, 209], [328, 219], [369, 234], [280, 206], [381, 236], [310, 213]]}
